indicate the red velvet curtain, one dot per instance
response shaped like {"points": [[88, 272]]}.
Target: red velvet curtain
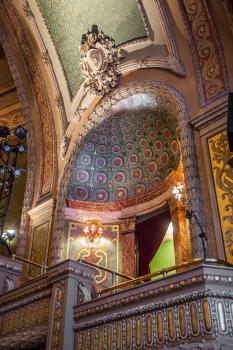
{"points": [[150, 234]]}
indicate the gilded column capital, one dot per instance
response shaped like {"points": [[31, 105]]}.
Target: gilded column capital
{"points": [[127, 225]]}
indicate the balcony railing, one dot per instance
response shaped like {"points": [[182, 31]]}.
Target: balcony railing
{"points": [[190, 309]]}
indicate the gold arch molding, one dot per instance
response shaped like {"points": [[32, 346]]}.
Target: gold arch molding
{"points": [[36, 111], [174, 101]]}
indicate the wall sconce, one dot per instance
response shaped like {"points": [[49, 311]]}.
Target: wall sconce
{"points": [[179, 193], [6, 237], [93, 232]]}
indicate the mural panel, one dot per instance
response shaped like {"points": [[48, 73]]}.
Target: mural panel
{"points": [[223, 181], [104, 253]]}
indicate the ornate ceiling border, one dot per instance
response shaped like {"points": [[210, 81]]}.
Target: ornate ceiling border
{"points": [[208, 55], [36, 111], [228, 7], [175, 101], [44, 109], [71, 107]]}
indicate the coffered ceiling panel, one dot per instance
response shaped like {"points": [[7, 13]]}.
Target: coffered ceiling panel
{"points": [[68, 20]]}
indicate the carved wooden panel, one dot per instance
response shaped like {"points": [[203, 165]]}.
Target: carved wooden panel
{"points": [[223, 182], [25, 317], [39, 247]]}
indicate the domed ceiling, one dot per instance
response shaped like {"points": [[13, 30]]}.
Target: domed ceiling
{"points": [[129, 154], [67, 21]]}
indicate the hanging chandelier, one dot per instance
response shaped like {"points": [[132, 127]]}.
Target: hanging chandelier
{"points": [[93, 232]]}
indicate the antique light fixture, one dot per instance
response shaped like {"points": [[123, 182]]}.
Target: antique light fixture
{"points": [[6, 237], [11, 147], [179, 193], [93, 232]]}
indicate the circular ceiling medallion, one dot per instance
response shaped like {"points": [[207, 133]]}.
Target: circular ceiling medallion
{"points": [[119, 177], [158, 144], [82, 193], [102, 149], [101, 178], [143, 141], [164, 158], [152, 167], [133, 158], [82, 176], [117, 162], [139, 189], [101, 162], [94, 136], [90, 146], [136, 173], [116, 149], [101, 195], [130, 146], [120, 193], [148, 153], [85, 159]]}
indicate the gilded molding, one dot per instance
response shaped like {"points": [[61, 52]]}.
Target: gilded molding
{"points": [[24, 318], [57, 316], [223, 181], [207, 52], [42, 100]]}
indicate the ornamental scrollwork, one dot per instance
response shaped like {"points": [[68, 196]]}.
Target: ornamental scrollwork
{"points": [[223, 180], [99, 62], [57, 316], [207, 54]]}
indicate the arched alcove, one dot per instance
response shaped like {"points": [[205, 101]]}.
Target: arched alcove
{"points": [[168, 100]]}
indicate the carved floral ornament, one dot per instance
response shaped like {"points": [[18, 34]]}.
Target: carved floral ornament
{"points": [[99, 62]]}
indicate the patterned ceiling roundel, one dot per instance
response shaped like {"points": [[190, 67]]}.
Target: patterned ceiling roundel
{"points": [[127, 155]]}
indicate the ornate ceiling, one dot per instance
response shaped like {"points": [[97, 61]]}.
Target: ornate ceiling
{"points": [[67, 21], [129, 154]]}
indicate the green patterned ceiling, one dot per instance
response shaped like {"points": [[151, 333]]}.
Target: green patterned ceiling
{"points": [[67, 20]]}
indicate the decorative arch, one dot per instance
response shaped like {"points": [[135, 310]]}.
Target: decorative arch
{"points": [[36, 111], [175, 100]]}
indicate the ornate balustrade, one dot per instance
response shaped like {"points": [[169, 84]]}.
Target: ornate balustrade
{"points": [[40, 312], [192, 309], [10, 272]]}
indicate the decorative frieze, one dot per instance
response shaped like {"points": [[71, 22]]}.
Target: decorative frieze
{"points": [[207, 53], [198, 307]]}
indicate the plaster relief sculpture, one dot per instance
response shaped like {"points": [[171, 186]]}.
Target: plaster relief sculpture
{"points": [[99, 62]]}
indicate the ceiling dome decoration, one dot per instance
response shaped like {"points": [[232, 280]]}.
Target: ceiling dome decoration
{"points": [[129, 154], [99, 62], [67, 21]]}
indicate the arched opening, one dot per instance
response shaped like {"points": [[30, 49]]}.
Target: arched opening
{"points": [[126, 166], [13, 159]]}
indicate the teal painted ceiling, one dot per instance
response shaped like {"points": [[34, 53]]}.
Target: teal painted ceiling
{"points": [[128, 154], [68, 20]]}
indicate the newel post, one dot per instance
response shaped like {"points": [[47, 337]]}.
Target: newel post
{"points": [[72, 283]]}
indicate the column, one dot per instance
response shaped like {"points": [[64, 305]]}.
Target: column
{"points": [[128, 245], [180, 231]]}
